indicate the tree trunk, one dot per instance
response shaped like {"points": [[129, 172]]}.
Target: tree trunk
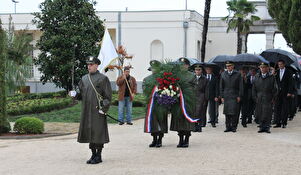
{"points": [[239, 40], [205, 29]]}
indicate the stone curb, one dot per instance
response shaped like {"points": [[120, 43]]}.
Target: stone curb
{"points": [[34, 136]]}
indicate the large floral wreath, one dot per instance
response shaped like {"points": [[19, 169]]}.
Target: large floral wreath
{"points": [[170, 88]]}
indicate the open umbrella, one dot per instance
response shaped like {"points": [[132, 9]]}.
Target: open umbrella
{"points": [[249, 59], [274, 55], [216, 69], [221, 59]]}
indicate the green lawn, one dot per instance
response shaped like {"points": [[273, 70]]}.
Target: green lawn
{"points": [[72, 114]]}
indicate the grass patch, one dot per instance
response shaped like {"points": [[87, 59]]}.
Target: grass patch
{"points": [[73, 114]]}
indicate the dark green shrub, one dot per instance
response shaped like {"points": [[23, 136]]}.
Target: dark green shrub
{"points": [[37, 105], [29, 125], [5, 128]]}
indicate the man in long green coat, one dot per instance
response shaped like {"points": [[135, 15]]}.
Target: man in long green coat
{"points": [[264, 92], [96, 94], [158, 124], [231, 91], [178, 122]]}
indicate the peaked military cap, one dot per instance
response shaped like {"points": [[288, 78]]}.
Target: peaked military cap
{"points": [[92, 60], [229, 63], [184, 60], [154, 63], [264, 64]]}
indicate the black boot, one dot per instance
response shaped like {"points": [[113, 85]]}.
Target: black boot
{"points": [[181, 141], [159, 141], [186, 141], [97, 159], [92, 157], [154, 142]]}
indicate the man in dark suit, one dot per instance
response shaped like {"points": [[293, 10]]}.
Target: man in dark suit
{"points": [[213, 94], [284, 82], [251, 80]]}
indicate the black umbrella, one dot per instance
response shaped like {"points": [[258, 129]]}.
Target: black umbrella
{"points": [[249, 59], [221, 59], [274, 55], [216, 69]]}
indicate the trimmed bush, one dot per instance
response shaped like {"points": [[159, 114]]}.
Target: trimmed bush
{"points": [[139, 100], [29, 125], [6, 127], [20, 97], [37, 105]]}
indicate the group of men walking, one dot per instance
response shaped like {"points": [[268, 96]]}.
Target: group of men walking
{"points": [[262, 94], [258, 93]]}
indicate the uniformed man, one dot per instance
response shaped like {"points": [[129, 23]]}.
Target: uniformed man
{"points": [[178, 122], [201, 95], [159, 124], [231, 89], [96, 94], [264, 92]]}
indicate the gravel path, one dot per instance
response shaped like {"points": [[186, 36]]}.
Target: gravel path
{"points": [[210, 152]]}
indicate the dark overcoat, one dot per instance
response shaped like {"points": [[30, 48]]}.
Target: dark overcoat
{"points": [[159, 122], [264, 92], [201, 95], [231, 87], [93, 126]]}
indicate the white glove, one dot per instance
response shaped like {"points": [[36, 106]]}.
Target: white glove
{"points": [[72, 93]]}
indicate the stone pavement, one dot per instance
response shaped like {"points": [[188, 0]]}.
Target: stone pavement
{"points": [[210, 152]]}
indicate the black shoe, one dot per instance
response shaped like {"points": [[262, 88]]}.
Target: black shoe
{"points": [[283, 126], [277, 126], [181, 142], [234, 130], [213, 125], [290, 119], [200, 129], [261, 130], [228, 130], [121, 123], [96, 160], [159, 142], [90, 160], [267, 131], [209, 121], [244, 125], [129, 123], [153, 144]]}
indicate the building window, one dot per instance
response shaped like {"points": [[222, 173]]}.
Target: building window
{"points": [[157, 50]]}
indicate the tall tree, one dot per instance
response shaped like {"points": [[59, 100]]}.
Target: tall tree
{"points": [[294, 32], [14, 47], [205, 29], [240, 18], [71, 31], [280, 10], [4, 125]]}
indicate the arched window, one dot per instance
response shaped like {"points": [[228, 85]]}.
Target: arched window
{"points": [[157, 51]]}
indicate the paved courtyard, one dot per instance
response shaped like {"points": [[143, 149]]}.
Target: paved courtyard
{"points": [[210, 152]]}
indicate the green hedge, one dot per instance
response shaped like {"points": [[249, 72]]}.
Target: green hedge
{"points": [[29, 125], [37, 105], [20, 97]]}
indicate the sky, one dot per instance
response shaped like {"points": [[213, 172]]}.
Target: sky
{"points": [[218, 9]]}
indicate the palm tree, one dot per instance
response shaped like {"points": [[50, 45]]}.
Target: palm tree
{"points": [[240, 18], [205, 29], [14, 53]]}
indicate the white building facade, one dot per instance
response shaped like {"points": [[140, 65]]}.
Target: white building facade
{"points": [[150, 35]]}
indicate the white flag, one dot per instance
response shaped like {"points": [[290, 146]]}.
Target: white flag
{"points": [[107, 52]]}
